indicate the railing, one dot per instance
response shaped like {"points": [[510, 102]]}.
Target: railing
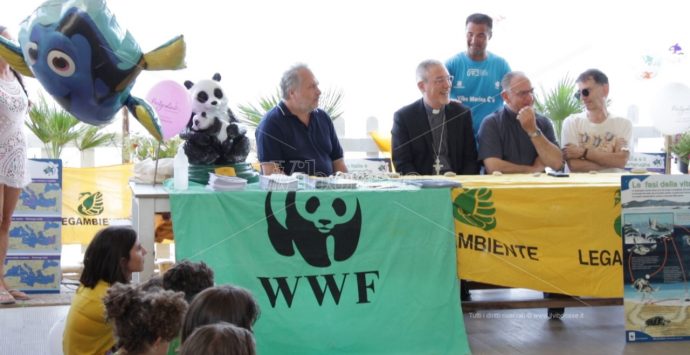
{"points": [[359, 145]]}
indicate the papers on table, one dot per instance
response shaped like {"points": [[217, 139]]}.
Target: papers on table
{"points": [[278, 182], [225, 183], [297, 181], [385, 185], [434, 183], [330, 183]]}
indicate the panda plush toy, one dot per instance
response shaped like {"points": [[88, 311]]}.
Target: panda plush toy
{"points": [[208, 95], [213, 136]]}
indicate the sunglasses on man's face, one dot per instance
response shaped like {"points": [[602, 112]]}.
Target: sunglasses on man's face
{"points": [[580, 93]]}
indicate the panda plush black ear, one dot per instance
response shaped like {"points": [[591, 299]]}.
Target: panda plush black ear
{"points": [[188, 84], [216, 76]]}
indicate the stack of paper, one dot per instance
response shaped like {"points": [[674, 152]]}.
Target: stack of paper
{"points": [[331, 183], [225, 183], [278, 182], [434, 183]]}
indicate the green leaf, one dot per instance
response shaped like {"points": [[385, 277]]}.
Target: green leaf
{"points": [[331, 102], [141, 147], [682, 148], [467, 208], [52, 126], [559, 103], [90, 137], [617, 225], [252, 113]]}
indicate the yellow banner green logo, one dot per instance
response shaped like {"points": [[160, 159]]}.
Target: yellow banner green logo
{"points": [[90, 204], [475, 208]]}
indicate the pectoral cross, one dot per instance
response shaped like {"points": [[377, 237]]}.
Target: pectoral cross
{"points": [[438, 166]]}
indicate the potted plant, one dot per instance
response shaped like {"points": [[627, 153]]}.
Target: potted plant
{"points": [[140, 147], [55, 128], [89, 138], [52, 126], [559, 103], [681, 148]]}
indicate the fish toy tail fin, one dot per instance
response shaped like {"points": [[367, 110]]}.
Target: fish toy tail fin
{"points": [[169, 56], [12, 54], [146, 115]]}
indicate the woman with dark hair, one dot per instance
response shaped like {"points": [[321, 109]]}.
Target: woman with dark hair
{"points": [[112, 256], [219, 339], [146, 318], [14, 106], [225, 303]]}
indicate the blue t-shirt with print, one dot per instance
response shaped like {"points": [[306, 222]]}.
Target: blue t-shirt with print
{"points": [[478, 84]]}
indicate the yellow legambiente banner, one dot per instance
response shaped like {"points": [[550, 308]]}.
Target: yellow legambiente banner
{"points": [[540, 233], [93, 198]]}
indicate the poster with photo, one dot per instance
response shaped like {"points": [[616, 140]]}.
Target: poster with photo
{"points": [[655, 223]]}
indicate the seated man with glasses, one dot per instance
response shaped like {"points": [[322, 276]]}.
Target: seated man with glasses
{"points": [[515, 139], [433, 135], [595, 140]]}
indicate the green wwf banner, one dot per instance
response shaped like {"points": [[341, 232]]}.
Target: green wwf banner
{"points": [[335, 272]]}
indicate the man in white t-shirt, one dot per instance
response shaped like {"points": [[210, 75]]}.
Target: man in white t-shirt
{"points": [[595, 140]]}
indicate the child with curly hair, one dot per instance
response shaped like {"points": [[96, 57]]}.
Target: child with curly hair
{"points": [[145, 319], [190, 278]]}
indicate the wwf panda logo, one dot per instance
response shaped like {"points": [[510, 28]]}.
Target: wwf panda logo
{"points": [[310, 222]]}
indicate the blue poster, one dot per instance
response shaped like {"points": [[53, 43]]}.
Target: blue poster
{"points": [[656, 251], [33, 259]]}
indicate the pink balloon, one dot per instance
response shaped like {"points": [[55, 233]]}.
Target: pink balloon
{"points": [[173, 105]]}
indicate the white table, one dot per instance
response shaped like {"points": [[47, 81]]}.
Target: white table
{"points": [[147, 200]]}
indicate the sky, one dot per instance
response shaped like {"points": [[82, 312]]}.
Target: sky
{"points": [[370, 49]]}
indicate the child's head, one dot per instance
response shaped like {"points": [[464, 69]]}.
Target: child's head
{"points": [[144, 318], [188, 277], [112, 256], [219, 339], [155, 282], [223, 303]]}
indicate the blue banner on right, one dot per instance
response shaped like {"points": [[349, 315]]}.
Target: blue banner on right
{"points": [[656, 252]]}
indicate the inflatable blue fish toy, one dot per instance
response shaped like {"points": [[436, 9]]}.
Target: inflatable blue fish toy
{"points": [[86, 62]]}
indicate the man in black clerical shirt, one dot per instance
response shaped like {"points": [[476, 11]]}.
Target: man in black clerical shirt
{"points": [[433, 135]]}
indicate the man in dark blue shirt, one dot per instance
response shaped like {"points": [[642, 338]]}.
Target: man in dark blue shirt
{"points": [[516, 139], [297, 136]]}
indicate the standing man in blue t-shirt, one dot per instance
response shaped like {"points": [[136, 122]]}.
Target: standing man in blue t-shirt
{"points": [[297, 136], [477, 72]]}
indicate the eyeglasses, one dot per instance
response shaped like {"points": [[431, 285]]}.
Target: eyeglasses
{"points": [[524, 93], [444, 79], [583, 92]]}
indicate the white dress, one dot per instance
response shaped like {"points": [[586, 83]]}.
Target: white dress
{"points": [[13, 108]]}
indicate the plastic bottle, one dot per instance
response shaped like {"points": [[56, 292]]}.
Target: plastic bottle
{"points": [[181, 170]]}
